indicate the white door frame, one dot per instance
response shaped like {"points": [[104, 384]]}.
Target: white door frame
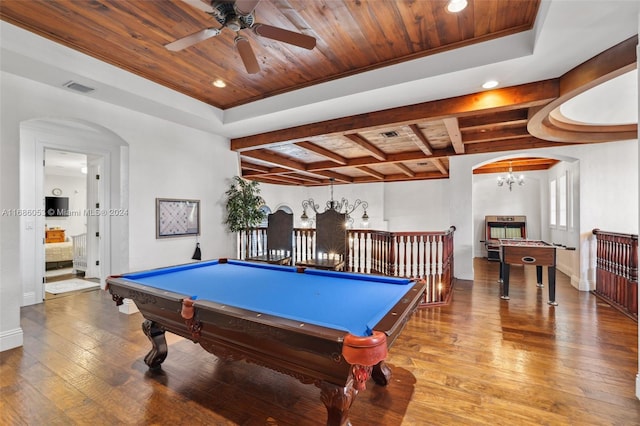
{"points": [[76, 136]]}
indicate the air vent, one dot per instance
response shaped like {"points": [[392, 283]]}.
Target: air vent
{"points": [[391, 134], [78, 87]]}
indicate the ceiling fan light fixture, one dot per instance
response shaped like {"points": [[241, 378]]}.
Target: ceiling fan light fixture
{"points": [[455, 6], [234, 24]]}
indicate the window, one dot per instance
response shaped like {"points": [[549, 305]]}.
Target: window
{"points": [[265, 221], [286, 209], [552, 203], [562, 201], [570, 200]]}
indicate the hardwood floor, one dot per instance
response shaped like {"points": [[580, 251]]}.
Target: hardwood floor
{"points": [[479, 360]]}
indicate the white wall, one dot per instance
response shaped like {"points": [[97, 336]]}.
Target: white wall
{"points": [[165, 159], [417, 206], [293, 196], [489, 199], [406, 206]]}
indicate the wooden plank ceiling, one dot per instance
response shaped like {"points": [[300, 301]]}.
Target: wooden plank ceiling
{"points": [[353, 36]]}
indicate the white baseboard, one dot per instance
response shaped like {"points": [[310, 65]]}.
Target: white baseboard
{"points": [[11, 339], [29, 298]]}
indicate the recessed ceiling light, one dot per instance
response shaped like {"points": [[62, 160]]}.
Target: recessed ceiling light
{"points": [[490, 84], [219, 83], [455, 6]]}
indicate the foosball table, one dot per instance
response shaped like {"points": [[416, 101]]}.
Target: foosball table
{"points": [[528, 252]]}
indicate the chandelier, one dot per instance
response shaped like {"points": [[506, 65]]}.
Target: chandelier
{"points": [[342, 206], [510, 179]]}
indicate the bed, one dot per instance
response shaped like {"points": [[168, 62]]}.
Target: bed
{"points": [[58, 255], [67, 254]]}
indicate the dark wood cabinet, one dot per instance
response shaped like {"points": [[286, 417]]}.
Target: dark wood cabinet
{"points": [[54, 236]]}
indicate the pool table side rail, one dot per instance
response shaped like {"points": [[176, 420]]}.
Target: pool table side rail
{"points": [[305, 351], [394, 321]]}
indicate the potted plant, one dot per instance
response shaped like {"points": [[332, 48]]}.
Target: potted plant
{"points": [[244, 207]]}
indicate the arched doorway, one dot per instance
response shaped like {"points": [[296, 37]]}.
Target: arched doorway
{"points": [[547, 184], [109, 154]]}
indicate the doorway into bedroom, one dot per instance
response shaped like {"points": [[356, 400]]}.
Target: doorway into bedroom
{"points": [[67, 221]]}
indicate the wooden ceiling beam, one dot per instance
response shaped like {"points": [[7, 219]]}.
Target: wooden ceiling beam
{"points": [[255, 167], [283, 172], [309, 146], [487, 169], [278, 160], [451, 124], [495, 126], [483, 121], [336, 176], [423, 142], [365, 144], [391, 158], [276, 179], [400, 177], [529, 142], [438, 164], [405, 169], [492, 101], [269, 171], [476, 136], [371, 172], [609, 64]]}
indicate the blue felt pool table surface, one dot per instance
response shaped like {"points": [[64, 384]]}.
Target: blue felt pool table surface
{"points": [[351, 302]]}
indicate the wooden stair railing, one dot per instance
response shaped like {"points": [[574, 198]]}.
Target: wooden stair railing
{"points": [[422, 255], [617, 271]]}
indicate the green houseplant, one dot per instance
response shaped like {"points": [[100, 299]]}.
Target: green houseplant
{"points": [[244, 207]]}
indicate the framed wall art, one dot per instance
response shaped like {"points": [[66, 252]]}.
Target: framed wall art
{"points": [[177, 218]]}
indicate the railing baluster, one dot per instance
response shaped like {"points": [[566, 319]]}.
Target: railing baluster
{"points": [[617, 270], [421, 255]]}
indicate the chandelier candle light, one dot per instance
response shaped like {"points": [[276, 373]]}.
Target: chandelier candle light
{"points": [[342, 206], [510, 179]]}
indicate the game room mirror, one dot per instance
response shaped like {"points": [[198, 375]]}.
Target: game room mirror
{"points": [[177, 218]]}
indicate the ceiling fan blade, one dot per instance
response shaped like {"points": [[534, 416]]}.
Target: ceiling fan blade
{"points": [[286, 36], [203, 5], [247, 55], [192, 39], [245, 7]]}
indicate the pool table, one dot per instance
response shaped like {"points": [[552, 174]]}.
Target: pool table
{"points": [[328, 328]]}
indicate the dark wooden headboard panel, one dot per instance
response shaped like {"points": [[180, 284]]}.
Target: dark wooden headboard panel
{"points": [[280, 231], [331, 232]]}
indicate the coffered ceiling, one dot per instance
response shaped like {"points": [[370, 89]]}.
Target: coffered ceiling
{"points": [[380, 142]]}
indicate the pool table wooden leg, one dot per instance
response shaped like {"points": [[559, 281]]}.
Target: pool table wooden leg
{"points": [[381, 373], [158, 352], [338, 400]]}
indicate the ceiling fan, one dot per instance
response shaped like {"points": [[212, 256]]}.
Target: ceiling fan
{"points": [[238, 15]]}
